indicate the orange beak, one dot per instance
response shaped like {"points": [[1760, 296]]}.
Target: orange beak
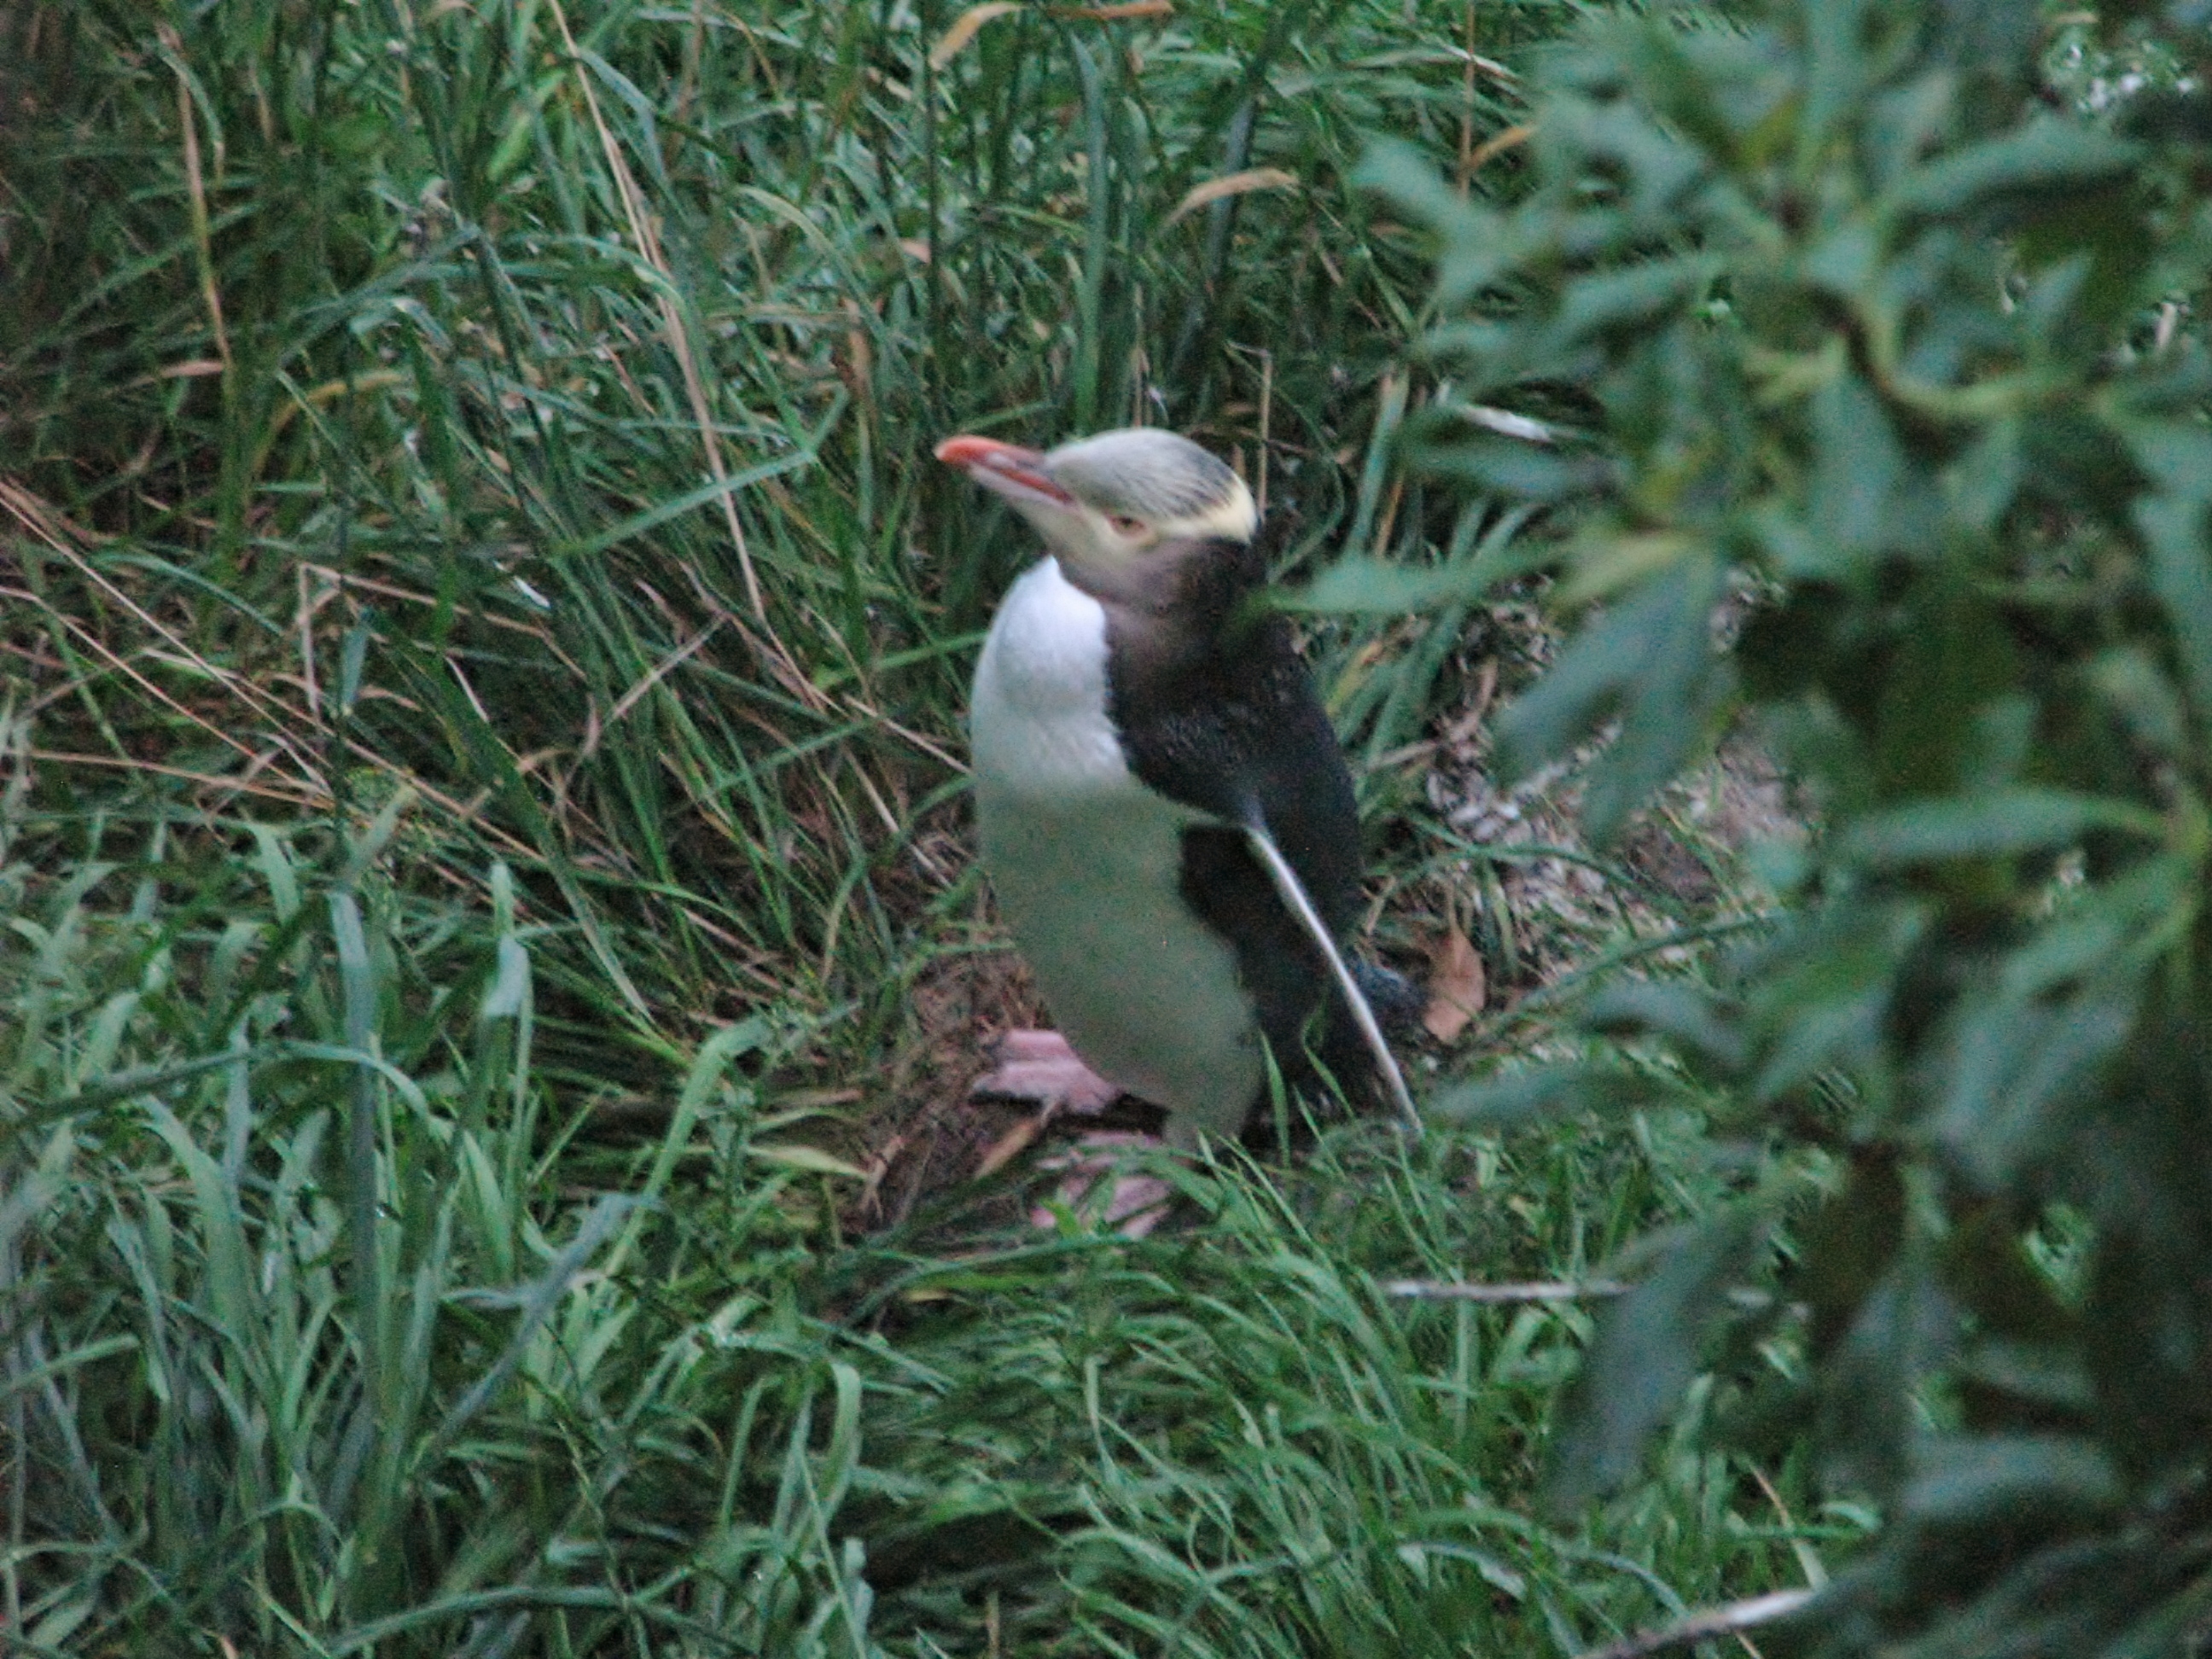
{"points": [[1007, 469]]}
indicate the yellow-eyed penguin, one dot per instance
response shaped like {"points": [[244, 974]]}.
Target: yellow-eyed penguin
{"points": [[1163, 808]]}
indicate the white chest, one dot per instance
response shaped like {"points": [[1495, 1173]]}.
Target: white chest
{"points": [[1087, 865]]}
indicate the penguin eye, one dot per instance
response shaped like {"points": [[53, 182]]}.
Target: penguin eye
{"points": [[1124, 524]]}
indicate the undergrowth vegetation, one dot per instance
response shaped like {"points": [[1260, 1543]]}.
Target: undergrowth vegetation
{"points": [[1879, 325], [484, 644]]}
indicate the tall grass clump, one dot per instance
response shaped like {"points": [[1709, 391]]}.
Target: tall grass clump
{"points": [[534, 410], [305, 1349], [484, 642]]}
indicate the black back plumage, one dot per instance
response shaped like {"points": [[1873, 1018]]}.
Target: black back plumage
{"points": [[1215, 710]]}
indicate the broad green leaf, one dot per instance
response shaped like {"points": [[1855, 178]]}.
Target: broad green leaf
{"points": [[1636, 297], [1408, 178], [1850, 1244], [2044, 1375], [1647, 1349], [2181, 575], [1685, 1013], [1859, 470], [1654, 169], [1645, 638], [1648, 660], [1527, 1097], [2131, 680], [1824, 991], [2117, 924], [1959, 1480], [1518, 470], [1980, 486], [1902, 1331], [1361, 587], [1987, 825], [2046, 155], [1675, 73]]}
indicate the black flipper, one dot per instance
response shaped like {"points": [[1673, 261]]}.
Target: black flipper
{"points": [[1216, 711], [1292, 893]]}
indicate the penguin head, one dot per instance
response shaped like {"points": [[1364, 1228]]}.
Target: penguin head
{"points": [[1104, 503]]}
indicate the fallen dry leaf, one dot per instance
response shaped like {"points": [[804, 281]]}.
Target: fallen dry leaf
{"points": [[1234, 184], [964, 28], [1456, 985], [1497, 144], [1010, 1145], [1121, 11], [970, 23], [877, 1167], [795, 1155]]}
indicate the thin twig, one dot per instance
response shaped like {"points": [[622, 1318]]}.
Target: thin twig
{"points": [[239, 686], [392, 591], [302, 794], [1703, 1625], [929, 746], [660, 671]]}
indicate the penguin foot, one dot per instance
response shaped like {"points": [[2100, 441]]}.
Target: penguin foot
{"points": [[1040, 1067], [1131, 1204]]}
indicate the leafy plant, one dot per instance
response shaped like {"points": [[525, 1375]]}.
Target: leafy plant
{"points": [[1847, 329], [482, 643]]}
